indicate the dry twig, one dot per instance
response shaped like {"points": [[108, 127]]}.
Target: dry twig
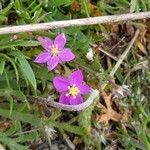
{"points": [[49, 102], [105, 52], [74, 22], [123, 56]]}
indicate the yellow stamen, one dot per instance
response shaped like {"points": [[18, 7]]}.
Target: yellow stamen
{"points": [[73, 91], [54, 50]]}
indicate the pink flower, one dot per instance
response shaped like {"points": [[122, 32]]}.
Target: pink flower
{"points": [[71, 88], [54, 51]]}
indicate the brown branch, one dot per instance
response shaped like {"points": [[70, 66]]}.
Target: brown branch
{"points": [[74, 22]]}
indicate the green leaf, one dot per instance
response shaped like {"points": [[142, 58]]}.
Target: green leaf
{"points": [[24, 117], [148, 4], [143, 5], [6, 10], [21, 96], [9, 97], [6, 44], [96, 63], [72, 128], [55, 115], [26, 68], [31, 4], [37, 8], [18, 4], [2, 18], [57, 3], [2, 65], [134, 5], [67, 127], [13, 145], [16, 126], [84, 7], [142, 133], [27, 137], [85, 117], [36, 15], [13, 64], [25, 15]]}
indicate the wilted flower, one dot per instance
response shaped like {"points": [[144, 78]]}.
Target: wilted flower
{"points": [[71, 88], [89, 54], [54, 51]]}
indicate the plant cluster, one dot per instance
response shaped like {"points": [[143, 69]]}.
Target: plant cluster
{"points": [[33, 65]]}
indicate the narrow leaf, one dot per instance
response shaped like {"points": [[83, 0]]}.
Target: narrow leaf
{"points": [[2, 65], [26, 68]]}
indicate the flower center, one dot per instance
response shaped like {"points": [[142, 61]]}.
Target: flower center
{"points": [[73, 91], [54, 50]]}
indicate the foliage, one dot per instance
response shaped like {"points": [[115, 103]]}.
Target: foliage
{"points": [[23, 121]]}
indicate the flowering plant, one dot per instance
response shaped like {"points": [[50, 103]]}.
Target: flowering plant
{"points": [[71, 88], [54, 51]]}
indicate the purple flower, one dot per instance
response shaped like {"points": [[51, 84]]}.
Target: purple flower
{"points": [[54, 51], [71, 88]]}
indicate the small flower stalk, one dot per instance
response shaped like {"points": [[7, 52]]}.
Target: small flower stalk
{"points": [[54, 51], [72, 88]]}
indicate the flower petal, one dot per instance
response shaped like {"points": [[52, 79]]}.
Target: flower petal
{"points": [[76, 77], [84, 89], [76, 101], [42, 57], [45, 42], [63, 99], [66, 55], [53, 62], [60, 83], [60, 41]]}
